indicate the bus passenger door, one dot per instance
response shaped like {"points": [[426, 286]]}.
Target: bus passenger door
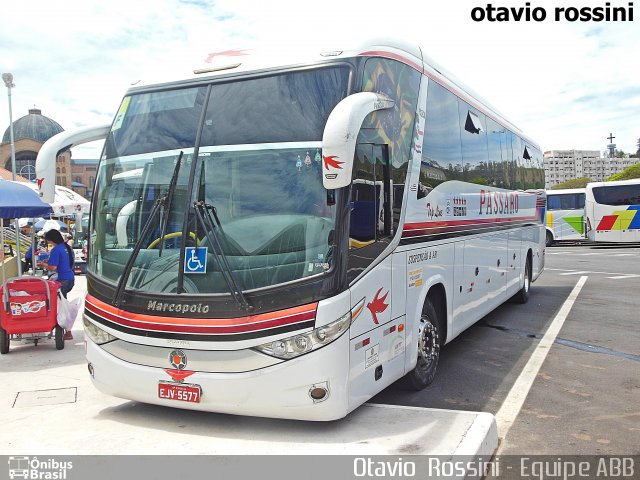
{"points": [[377, 341]]}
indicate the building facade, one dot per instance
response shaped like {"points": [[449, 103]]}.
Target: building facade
{"points": [[30, 133], [563, 165]]}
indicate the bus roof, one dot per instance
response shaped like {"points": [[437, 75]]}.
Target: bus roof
{"points": [[238, 62], [633, 181], [560, 191]]}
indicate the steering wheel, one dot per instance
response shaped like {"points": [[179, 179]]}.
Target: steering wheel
{"points": [[169, 236]]}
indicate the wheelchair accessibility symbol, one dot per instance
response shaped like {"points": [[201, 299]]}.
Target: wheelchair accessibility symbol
{"points": [[195, 260]]}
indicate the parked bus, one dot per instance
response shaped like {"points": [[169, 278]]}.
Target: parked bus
{"points": [[613, 211], [241, 289], [565, 215]]}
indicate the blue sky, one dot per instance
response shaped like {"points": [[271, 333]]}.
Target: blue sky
{"points": [[567, 85]]}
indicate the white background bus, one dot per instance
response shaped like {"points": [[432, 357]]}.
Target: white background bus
{"points": [[613, 211], [240, 289], [565, 215]]}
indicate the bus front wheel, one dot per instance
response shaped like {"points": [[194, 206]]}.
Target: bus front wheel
{"points": [[549, 240], [429, 342]]}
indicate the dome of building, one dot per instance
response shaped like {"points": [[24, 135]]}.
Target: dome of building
{"points": [[34, 126]]}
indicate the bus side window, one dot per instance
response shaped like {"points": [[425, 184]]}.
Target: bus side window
{"points": [[372, 204], [371, 196]]}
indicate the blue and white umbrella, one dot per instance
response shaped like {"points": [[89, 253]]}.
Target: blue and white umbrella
{"points": [[46, 225]]}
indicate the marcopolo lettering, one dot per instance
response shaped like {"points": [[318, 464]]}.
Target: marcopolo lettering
{"points": [[498, 203], [177, 307]]}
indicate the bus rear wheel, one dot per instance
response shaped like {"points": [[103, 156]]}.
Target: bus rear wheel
{"points": [[523, 294], [429, 342]]}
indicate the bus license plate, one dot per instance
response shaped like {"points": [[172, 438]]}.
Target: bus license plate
{"points": [[184, 392]]}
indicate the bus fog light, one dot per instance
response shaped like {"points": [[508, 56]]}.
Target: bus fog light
{"points": [[319, 392], [90, 368]]}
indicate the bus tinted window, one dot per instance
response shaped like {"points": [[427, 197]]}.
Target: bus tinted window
{"points": [[156, 121], [617, 195], [565, 201], [473, 134], [441, 151], [289, 107]]}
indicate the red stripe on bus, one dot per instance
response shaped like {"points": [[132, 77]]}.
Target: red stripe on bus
{"points": [[202, 325], [455, 223]]}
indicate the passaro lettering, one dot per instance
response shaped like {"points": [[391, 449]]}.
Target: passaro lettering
{"points": [[498, 203]]}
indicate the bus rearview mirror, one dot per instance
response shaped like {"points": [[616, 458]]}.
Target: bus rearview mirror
{"points": [[341, 132]]}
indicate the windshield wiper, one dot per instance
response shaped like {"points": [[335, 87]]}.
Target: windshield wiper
{"points": [[161, 201], [167, 203], [204, 212]]}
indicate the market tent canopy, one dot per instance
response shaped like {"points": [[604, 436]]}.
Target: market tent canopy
{"points": [[66, 202], [18, 200]]}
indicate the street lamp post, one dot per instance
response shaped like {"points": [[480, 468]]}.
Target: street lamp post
{"points": [[8, 81]]}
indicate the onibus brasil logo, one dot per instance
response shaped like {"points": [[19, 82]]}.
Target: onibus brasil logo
{"points": [[36, 469]]}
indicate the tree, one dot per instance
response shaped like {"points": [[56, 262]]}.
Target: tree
{"points": [[632, 171], [573, 183], [638, 152]]}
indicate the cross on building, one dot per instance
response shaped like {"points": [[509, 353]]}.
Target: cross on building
{"points": [[611, 146]]}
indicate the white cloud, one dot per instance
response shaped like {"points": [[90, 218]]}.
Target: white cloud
{"points": [[566, 84]]}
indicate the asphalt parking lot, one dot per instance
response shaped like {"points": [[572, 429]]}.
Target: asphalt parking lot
{"points": [[583, 399]]}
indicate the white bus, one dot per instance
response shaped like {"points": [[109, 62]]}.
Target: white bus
{"points": [[565, 215], [241, 290], [613, 211]]}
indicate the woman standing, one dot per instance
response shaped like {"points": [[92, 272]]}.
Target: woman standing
{"points": [[60, 261]]}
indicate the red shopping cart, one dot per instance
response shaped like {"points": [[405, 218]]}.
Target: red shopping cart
{"points": [[29, 306]]}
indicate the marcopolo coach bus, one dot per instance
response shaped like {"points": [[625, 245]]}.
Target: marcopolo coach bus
{"points": [[565, 215], [613, 211], [251, 280]]}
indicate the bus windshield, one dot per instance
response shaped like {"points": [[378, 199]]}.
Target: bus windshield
{"points": [[259, 178]]}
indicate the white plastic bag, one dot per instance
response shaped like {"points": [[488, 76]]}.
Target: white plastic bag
{"points": [[67, 312]]}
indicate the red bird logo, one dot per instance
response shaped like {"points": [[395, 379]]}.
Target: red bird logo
{"points": [[40, 180], [377, 305], [226, 53], [331, 161]]}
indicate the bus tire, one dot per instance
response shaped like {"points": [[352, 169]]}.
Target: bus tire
{"points": [[523, 294], [4, 341], [549, 240], [429, 342]]}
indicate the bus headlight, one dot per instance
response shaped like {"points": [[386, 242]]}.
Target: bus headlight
{"points": [[96, 334], [302, 343]]}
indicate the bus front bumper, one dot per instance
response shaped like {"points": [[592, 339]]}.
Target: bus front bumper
{"points": [[278, 391]]}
